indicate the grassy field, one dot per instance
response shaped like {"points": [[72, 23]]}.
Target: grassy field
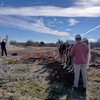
{"points": [[30, 80]]}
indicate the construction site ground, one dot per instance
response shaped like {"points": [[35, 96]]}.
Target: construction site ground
{"points": [[36, 73]]}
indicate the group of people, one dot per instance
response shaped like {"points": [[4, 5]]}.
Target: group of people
{"points": [[80, 55], [3, 47]]}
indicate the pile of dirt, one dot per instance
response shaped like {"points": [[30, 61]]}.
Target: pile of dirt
{"points": [[46, 57], [95, 58], [94, 55], [59, 74]]}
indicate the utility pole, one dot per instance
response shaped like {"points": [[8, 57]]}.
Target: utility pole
{"points": [[0, 39], [7, 39]]}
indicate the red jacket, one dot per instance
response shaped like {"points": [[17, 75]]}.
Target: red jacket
{"points": [[80, 53]]}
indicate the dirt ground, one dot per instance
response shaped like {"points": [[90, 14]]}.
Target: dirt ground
{"points": [[35, 73]]}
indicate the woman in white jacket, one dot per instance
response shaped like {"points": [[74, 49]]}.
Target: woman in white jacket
{"points": [[85, 40]]}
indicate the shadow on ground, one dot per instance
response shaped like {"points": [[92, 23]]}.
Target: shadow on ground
{"points": [[60, 84]]}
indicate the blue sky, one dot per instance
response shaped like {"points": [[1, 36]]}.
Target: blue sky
{"points": [[49, 20]]}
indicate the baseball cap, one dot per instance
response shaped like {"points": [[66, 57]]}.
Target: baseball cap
{"points": [[78, 36]]}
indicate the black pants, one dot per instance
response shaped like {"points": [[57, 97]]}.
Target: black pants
{"points": [[3, 51]]}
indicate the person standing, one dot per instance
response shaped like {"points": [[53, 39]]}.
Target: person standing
{"points": [[3, 47], [79, 53], [85, 40]]}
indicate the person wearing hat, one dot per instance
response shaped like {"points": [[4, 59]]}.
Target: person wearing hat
{"points": [[79, 53]]}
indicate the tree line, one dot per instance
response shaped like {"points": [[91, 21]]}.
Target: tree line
{"points": [[41, 43], [31, 43]]}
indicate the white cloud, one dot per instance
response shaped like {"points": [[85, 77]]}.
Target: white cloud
{"points": [[68, 29], [51, 24], [87, 3], [63, 38], [72, 21], [37, 26], [75, 11], [72, 38], [55, 20], [92, 40], [60, 22]]}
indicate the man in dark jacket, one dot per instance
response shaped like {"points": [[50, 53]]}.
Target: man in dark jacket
{"points": [[3, 47]]}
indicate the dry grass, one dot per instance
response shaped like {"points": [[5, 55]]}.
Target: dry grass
{"points": [[28, 81], [26, 90], [94, 84], [14, 48]]}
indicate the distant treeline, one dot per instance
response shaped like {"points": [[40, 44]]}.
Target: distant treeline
{"points": [[32, 43], [95, 44]]}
